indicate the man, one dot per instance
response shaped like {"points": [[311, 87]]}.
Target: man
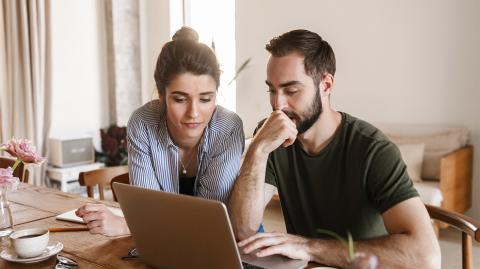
{"points": [[332, 171]]}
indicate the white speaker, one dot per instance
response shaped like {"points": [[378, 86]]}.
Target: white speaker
{"points": [[66, 152]]}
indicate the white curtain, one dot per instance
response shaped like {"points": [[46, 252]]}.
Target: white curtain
{"points": [[123, 38], [25, 92]]}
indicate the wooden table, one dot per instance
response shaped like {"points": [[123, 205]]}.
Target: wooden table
{"points": [[37, 207]]}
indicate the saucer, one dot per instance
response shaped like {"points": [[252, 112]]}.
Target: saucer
{"points": [[53, 248]]}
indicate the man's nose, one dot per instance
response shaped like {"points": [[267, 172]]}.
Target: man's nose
{"points": [[278, 101]]}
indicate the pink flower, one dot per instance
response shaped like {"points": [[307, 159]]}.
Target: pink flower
{"points": [[7, 180], [23, 150]]}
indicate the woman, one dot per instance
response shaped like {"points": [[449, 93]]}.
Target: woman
{"points": [[183, 142]]}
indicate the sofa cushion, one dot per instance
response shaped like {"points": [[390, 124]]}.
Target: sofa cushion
{"points": [[438, 141], [429, 192], [412, 155]]}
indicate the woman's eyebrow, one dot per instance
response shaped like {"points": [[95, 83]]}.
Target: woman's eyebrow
{"points": [[179, 93], [186, 94]]}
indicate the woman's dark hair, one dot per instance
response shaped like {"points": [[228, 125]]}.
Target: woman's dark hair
{"points": [[185, 54], [319, 56]]}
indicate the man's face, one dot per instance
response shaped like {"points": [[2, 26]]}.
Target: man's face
{"points": [[293, 91]]}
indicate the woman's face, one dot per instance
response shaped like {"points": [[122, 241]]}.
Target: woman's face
{"points": [[190, 101]]}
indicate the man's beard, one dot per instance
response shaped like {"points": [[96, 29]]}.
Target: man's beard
{"points": [[310, 116]]}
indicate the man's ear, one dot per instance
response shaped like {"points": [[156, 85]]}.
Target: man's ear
{"points": [[326, 85]]}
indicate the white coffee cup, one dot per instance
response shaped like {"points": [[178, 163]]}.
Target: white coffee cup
{"points": [[29, 243]]}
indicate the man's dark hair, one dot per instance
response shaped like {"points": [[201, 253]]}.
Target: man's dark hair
{"points": [[319, 56], [185, 54]]}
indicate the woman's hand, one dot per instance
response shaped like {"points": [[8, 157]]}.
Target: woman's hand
{"points": [[100, 220]]}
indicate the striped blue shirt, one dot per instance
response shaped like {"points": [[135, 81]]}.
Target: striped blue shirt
{"points": [[153, 158]]}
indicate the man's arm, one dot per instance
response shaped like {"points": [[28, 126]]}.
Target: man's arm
{"points": [[411, 242], [250, 193]]}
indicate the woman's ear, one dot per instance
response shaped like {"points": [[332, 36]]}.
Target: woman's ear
{"points": [[161, 97]]}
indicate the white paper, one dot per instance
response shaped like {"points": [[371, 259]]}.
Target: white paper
{"points": [[70, 215]]}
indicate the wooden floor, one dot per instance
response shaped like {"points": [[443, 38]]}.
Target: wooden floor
{"points": [[450, 243]]}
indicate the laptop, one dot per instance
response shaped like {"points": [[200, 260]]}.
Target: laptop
{"points": [[177, 231]]}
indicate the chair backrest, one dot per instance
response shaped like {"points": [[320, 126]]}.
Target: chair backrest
{"points": [[19, 172], [469, 227], [100, 177], [123, 178]]}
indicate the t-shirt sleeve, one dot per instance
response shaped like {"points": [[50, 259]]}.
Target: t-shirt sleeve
{"points": [[270, 171], [388, 182]]}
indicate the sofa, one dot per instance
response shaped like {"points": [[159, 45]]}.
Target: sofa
{"points": [[439, 160]]}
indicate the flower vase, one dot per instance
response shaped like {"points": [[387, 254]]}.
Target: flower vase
{"points": [[6, 220]]}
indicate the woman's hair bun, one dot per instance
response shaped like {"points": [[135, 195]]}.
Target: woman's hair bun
{"points": [[185, 33]]}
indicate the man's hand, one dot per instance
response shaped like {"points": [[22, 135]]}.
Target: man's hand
{"points": [[100, 220], [292, 246], [249, 196], [277, 130]]}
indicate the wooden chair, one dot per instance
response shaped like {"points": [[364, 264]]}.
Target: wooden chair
{"points": [[469, 227], [123, 178], [19, 172], [100, 177]]}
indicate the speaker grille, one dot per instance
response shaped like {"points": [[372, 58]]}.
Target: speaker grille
{"points": [[77, 151]]}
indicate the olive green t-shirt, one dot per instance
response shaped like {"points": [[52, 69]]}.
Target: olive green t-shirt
{"points": [[346, 187]]}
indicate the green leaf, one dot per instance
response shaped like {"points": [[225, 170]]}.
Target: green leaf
{"points": [[351, 251], [240, 69], [334, 235], [347, 244]]}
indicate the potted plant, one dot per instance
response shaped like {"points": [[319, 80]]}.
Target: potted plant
{"points": [[114, 146]]}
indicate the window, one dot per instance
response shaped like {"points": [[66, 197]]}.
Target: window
{"points": [[214, 21]]}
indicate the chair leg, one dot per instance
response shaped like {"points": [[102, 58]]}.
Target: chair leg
{"points": [[90, 191], [101, 194], [467, 262]]}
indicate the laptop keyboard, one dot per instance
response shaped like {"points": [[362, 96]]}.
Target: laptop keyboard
{"points": [[250, 266]]}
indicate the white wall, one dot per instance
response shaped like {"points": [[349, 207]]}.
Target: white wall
{"points": [[397, 61], [79, 105], [80, 94]]}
